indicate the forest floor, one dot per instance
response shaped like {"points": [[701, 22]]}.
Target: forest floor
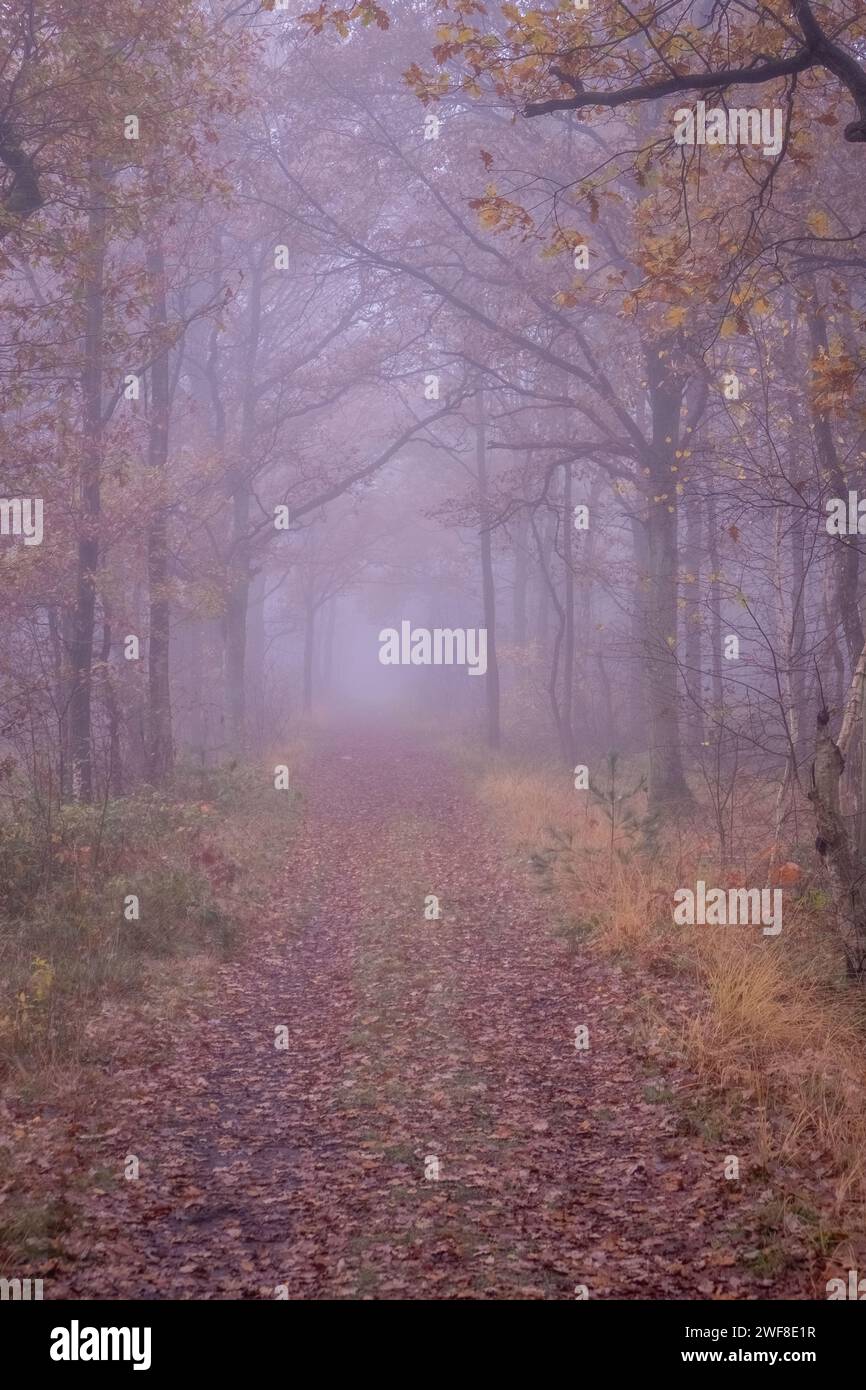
{"points": [[309, 1168]]}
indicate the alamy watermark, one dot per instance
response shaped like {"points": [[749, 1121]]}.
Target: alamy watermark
{"points": [[439, 646], [763, 128], [20, 1290], [846, 517], [855, 1289], [715, 907], [22, 516], [77, 1343]]}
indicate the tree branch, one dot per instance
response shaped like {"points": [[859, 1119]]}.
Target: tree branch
{"points": [[818, 51], [686, 82]]}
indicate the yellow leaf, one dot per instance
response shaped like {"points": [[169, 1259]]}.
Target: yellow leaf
{"points": [[819, 223], [675, 316]]}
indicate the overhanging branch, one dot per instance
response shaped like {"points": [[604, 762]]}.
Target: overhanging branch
{"points": [[818, 51]]}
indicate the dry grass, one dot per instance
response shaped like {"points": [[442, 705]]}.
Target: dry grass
{"points": [[776, 1035]]}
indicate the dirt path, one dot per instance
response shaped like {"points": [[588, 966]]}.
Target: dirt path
{"points": [[407, 1040]]}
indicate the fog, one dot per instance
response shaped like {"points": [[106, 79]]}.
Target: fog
{"points": [[440, 420]]}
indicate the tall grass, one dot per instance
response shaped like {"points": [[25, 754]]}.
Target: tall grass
{"points": [[777, 1033]]}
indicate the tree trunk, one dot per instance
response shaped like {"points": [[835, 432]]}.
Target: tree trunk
{"points": [[564, 733], [693, 675], [239, 566], [57, 623], [196, 687], [846, 553], [543, 547], [236, 634], [81, 646], [568, 627], [488, 580], [159, 731], [636, 683], [715, 614], [667, 783], [844, 873], [521, 575], [328, 645], [861, 819], [255, 662], [799, 491], [797, 640], [309, 652], [115, 761]]}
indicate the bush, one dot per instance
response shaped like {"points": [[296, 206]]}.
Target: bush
{"points": [[65, 942]]}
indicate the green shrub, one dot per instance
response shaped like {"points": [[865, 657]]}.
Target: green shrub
{"points": [[197, 866]]}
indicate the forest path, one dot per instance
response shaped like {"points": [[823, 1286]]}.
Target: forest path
{"points": [[305, 1167]]}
